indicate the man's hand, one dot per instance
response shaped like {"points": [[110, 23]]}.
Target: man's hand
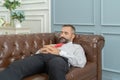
{"points": [[50, 49], [44, 50]]}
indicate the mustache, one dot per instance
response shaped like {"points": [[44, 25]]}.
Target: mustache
{"points": [[63, 40]]}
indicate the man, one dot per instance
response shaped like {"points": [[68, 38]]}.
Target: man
{"points": [[54, 60]]}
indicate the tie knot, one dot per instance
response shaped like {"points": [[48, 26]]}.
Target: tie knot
{"points": [[58, 45]]}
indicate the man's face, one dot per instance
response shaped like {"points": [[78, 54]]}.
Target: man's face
{"points": [[67, 34]]}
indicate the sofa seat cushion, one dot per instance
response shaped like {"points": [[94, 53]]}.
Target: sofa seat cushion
{"points": [[73, 74]]}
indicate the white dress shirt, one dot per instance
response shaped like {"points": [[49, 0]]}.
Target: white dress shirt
{"points": [[74, 53]]}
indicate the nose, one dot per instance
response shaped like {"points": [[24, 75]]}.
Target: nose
{"points": [[62, 35]]}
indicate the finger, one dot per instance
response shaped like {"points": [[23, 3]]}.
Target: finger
{"points": [[46, 45], [51, 48], [45, 52]]}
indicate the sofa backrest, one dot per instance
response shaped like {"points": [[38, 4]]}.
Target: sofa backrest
{"points": [[19, 46], [92, 45], [14, 47]]}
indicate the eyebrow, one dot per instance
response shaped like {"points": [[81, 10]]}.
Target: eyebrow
{"points": [[64, 31]]}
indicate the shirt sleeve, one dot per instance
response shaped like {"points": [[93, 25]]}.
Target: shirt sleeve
{"points": [[77, 59], [38, 52]]}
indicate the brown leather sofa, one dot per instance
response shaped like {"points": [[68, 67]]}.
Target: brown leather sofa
{"points": [[15, 47]]}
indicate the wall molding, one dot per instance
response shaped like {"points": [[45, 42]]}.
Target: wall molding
{"points": [[111, 70], [106, 76], [34, 9], [106, 68], [102, 19], [42, 18], [25, 2], [29, 9], [110, 33], [86, 32], [35, 17], [91, 24], [81, 24], [33, 2], [109, 24], [50, 9]]}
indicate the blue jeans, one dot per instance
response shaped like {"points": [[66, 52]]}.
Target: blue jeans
{"points": [[55, 66]]}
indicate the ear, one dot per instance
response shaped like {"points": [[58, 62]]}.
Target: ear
{"points": [[73, 36]]}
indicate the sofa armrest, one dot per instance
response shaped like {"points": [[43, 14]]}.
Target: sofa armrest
{"points": [[92, 45]]}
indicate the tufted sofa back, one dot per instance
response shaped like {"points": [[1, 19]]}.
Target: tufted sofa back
{"points": [[14, 47], [18, 46]]}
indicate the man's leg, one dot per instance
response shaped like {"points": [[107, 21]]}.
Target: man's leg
{"points": [[21, 68], [57, 68]]}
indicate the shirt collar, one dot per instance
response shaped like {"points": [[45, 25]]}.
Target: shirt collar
{"points": [[69, 42]]}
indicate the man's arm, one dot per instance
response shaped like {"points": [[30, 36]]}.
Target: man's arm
{"points": [[77, 59], [49, 49]]}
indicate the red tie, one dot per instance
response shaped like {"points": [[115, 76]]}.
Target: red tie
{"points": [[58, 45]]}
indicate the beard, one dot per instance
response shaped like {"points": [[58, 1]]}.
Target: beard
{"points": [[63, 40]]}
